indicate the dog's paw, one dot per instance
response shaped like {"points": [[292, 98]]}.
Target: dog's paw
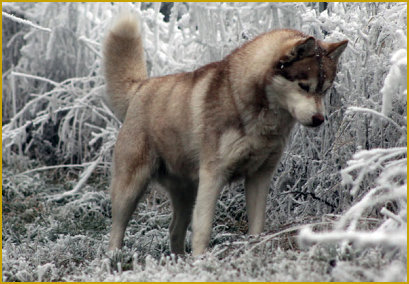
{"points": [[115, 259]]}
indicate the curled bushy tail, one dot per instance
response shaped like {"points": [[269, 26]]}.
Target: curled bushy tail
{"points": [[124, 62]]}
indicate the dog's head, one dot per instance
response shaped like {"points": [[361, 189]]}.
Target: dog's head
{"points": [[302, 76]]}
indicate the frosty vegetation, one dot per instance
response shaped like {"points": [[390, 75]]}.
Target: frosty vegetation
{"points": [[337, 208]]}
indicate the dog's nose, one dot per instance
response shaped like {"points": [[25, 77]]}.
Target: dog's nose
{"points": [[317, 119]]}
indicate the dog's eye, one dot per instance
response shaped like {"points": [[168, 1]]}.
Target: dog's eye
{"points": [[305, 87]]}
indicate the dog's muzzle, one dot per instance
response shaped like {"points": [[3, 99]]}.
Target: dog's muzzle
{"points": [[317, 120]]}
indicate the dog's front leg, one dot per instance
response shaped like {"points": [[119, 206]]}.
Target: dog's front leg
{"points": [[210, 185], [257, 187]]}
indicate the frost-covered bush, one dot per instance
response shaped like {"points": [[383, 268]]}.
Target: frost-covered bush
{"points": [[55, 119]]}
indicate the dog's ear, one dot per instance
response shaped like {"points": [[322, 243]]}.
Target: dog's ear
{"points": [[334, 50], [303, 48]]}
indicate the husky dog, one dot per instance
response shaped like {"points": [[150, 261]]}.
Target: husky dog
{"points": [[195, 132]]}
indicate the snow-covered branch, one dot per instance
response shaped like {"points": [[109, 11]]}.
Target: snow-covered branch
{"points": [[24, 22]]}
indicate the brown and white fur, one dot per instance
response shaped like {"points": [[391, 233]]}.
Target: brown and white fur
{"points": [[195, 132]]}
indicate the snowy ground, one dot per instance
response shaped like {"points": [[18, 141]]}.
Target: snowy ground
{"points": [[46, 240]]}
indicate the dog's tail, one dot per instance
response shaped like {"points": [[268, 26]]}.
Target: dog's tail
{"points": [[124, 62]]}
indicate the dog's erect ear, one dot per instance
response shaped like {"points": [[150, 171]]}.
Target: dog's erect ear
{"points": [[303, 48], [334, 50]]}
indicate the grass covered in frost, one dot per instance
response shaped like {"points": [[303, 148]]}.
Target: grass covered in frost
{"points": [[49, 240]]}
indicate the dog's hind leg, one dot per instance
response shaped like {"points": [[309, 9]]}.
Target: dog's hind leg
{"points": [[183, 197], [131, 175]]}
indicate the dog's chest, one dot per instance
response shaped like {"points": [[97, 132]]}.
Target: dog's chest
{"points": [[243, 155], [252, 162]]}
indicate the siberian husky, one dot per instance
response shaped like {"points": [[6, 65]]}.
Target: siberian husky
{"points": [[195, 132]]}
